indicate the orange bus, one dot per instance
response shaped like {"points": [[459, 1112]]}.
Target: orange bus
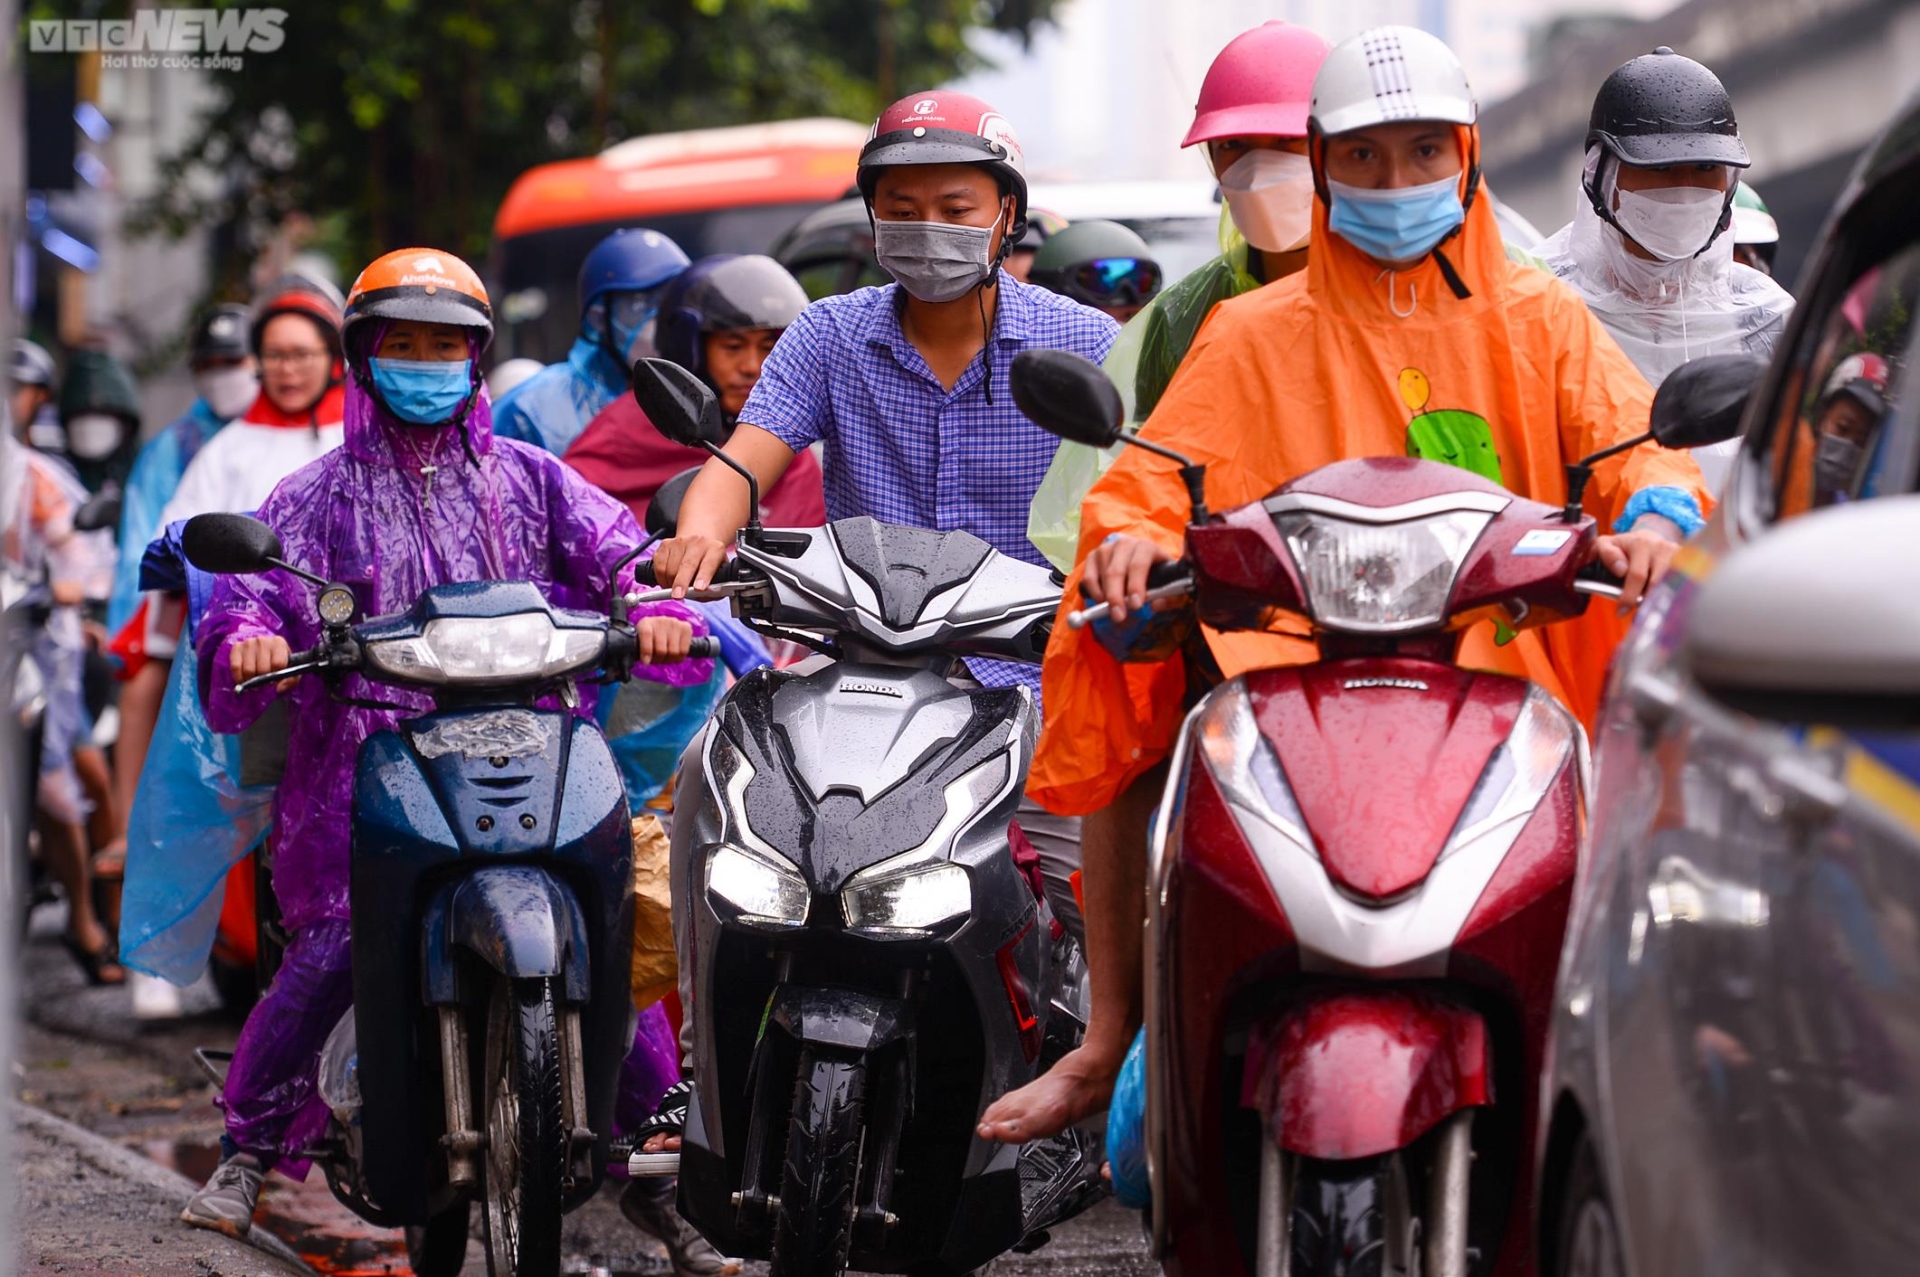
{"points": [[731, 190]]}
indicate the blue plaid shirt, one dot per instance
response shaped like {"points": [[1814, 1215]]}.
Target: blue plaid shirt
{"points": [[903, 449]]}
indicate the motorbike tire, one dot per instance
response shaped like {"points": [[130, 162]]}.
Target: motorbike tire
{"points": [[438, 1248], [1589, 1240], [814, 1228], [526, 1155], [1353, 1220]]}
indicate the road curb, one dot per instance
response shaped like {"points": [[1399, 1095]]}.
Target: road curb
{"points": [[118, 1160]]}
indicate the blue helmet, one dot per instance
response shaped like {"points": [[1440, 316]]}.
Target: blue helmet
{"points": [[629, 261], [723, 293]]}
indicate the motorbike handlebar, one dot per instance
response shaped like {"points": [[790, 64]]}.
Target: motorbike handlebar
{"points": [[1595, 578], [643, 573], [704, 649], [1169, 580]]}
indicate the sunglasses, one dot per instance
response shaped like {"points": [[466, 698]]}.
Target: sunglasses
{"points": [[1116, 281]]}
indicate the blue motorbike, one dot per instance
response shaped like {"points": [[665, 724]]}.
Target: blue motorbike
{"points": [[492, 914]]}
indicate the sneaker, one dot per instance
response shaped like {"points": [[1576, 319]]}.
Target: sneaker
{"points": [[648, 1206], [226, 1203], [154, 998]]}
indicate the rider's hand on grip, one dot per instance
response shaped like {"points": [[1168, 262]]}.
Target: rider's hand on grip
{"points": [[1118, 571], [664, 640], [688, 563], [254, 657]]}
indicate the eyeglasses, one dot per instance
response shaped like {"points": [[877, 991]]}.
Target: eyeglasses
{"points": [[1116, 281], [292, 358]]}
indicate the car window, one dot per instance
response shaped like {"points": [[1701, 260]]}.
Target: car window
{"points": [[1841, 434]]}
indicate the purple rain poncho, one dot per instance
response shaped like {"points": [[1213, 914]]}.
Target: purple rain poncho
{"points": [[396, 509]]}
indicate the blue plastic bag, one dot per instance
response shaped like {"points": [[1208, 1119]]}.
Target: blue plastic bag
{"points": [[1127, 1130], [191, 822]]}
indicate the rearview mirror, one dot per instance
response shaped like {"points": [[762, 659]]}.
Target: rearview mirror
{"points": [[1068, 396], [663, 512], [230, 544], [679, 404], [1815, 622], [1702, 402], [101, 511]]}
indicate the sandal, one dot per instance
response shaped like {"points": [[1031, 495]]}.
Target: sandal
{"points": [[669, 1116], [109, 864], [100, 966]]}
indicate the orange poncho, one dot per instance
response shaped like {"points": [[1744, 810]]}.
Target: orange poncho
{"points": [[1318, 368]]}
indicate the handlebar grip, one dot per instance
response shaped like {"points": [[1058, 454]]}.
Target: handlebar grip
{"points": [[1595, 570], [643, 573], [307, 657], [1167, 572], [704, 649]]}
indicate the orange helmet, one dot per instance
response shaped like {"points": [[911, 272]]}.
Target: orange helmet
{"points": [[420, 284]]}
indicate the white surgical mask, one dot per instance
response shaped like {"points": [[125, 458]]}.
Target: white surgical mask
{"points": [[934, 261], [1270, 194], [1671, 222], [228, 391], [93, 435]]}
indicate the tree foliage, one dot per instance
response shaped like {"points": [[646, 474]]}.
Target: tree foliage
{"points": [[405, 121]]}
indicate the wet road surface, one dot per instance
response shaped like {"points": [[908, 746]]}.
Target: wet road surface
{"points": [[83, 1057]]}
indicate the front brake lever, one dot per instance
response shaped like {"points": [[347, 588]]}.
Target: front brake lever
{"points": [[1086, 616], [291, 671]]}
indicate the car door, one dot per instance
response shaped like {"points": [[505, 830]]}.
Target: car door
{"points": [[1803, 962]]}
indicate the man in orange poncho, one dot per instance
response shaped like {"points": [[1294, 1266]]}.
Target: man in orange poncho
{"points": [[1410, 333]]}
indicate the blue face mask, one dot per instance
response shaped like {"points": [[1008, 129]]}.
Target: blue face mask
{"points": [[1400, 225], [423, 391]]}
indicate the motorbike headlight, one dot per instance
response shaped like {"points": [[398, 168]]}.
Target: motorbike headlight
{"points": [[760, 890], [1379, 577], [911, 898], [1243, 764], [481, 650]]}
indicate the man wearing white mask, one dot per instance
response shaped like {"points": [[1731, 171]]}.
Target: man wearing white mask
{"points": [[1650, 247], [1252, 117]]}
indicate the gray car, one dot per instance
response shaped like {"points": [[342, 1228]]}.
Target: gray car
{"points": [[1734, 1079]]}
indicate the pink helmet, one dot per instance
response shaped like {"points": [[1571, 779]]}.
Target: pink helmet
{"points": [[1261, 83]]}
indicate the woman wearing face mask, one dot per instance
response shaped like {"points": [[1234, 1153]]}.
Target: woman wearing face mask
{"points": [[1252, 118], [420, 494], [620, 286], [1410, 332], [1650, 247]]}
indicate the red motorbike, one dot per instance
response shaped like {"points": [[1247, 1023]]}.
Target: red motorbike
{"points": [[1360, 873]]}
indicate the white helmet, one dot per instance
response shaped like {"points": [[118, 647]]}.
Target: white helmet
{"points": [[1387, 75]]}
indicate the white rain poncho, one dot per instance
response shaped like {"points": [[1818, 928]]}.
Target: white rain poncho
{"points": [[1664, 314]]}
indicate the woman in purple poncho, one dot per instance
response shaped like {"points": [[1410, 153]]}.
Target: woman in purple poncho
{"points": [[419, 494]]}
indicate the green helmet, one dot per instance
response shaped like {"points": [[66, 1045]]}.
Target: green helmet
{"points": [[1097, 264], [1752, 223]]}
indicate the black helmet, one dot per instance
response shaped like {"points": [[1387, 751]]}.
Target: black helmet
{"points": [[1098, 264], [724, 293], [1662, 109], [830, 250], [1666, 109], [220, 334]]}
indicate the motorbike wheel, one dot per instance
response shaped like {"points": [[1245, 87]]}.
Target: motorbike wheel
{"points": [[814, 1229], [439, 1247], [526, 1155], [1589, 1241], [1354, 1220]]}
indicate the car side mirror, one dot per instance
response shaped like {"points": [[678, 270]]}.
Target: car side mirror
{"points": [[230, 544], [679, 404], [1702, 402], [1816, 621], [663, 512], [1068, 396]]}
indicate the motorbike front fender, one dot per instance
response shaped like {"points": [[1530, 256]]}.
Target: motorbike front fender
{"points": [[840, 1018], [521, 921], [1362, 1072]]}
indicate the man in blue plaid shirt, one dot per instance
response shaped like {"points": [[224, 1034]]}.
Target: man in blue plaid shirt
{"points": [[906, 385]]}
